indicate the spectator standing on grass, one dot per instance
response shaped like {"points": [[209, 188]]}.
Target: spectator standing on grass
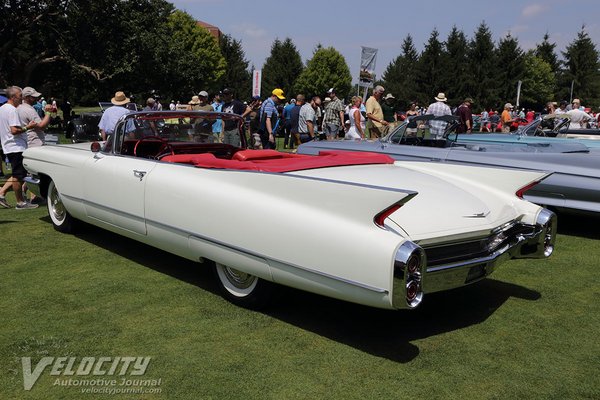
{"points": [[334, 116], [389, 111], [484, 121], [376, 123], [439, 108], [307, 121], [356, 131], [466, 117], [268, 118], [506, 118], [231, 130], [288, 140], [14, 143], [112, 114], [295, 118], [494, 120], [217, 128], [35, 136]]}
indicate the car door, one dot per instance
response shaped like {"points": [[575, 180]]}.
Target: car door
{"points": [[114, 190]]}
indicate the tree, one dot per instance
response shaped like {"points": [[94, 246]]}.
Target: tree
{"points": [[282, 67], [511, 67], [327, 68], [237, 76], [582, 68], [399, 76], [429, 67], [482, 68], [546, 51], [454, 75], [194, 60], [539, 81]]}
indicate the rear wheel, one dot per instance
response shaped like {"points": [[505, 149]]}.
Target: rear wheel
{"points": [[241, 288], [61, 219]]}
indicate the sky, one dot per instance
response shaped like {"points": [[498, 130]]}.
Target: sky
{"points": [[383, 24]]}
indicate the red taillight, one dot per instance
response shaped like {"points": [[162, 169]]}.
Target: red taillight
{"points": [[380, 218], [412, 289], [522, 191], [413, 264]]}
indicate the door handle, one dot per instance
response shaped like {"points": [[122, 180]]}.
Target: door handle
{"points": [[139, 174]]}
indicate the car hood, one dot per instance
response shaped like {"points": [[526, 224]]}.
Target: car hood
{"points": [[442, 207]]}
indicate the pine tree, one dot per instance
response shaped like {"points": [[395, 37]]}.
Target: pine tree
{"points": [[237, 76], [482, 68], [511, 67], [399, 76], [429, 67], [546, 51], [327, 68], [282, 68], [453, 74], [582, 68]]}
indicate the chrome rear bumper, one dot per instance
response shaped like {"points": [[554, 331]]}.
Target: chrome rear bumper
{"points": [[537, 243]]}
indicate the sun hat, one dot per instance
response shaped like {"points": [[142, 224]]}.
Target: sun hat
{"points": [[119, 99], [279, 93], [29, 91], [389, 96], [195, 100], [468, 100], [441, 97]]}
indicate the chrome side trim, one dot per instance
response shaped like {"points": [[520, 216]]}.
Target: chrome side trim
{"points": [[251, 253]]}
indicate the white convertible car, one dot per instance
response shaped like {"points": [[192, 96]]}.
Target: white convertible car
{"points": [[357, 227]]}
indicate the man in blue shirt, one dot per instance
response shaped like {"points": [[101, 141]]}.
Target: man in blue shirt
{"points": [[111, 115], [268, 117], [287, 125]]}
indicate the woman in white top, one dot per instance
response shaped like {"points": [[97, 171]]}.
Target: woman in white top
{"points": [[357, 121]]}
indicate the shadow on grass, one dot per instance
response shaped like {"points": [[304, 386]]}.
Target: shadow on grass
{"points": [[586, 226], [383, 333], [7, 222]]}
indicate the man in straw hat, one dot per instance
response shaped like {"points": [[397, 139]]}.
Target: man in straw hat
{"points": [[439, 108], [111, 115]]}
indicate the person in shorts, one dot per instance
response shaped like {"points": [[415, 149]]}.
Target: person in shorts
{"points": [[14, 142]]}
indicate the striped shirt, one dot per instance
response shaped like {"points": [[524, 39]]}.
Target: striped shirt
{"points": [[437, 128]]}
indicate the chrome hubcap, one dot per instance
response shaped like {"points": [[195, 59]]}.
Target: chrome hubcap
{"points": [[56, 206], [239, 279]]}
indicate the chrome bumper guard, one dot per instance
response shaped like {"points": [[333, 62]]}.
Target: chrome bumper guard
{"points": [[33, 185], [538, 244]]}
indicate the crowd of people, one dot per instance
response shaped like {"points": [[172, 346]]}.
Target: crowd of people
{"points": [[25, 116]]}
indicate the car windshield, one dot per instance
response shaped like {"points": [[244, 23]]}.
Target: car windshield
{"points": [[417, 126], [530, 129], [175, 126]]}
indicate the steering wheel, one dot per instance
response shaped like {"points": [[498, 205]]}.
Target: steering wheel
{"points": [[164, 144]]}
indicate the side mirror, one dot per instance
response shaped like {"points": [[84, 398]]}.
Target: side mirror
{"points": [[95, 147]]}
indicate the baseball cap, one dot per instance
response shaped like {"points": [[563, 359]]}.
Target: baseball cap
{"points": [[279, 93], [227, 91], [508, 105], [331, 90], [29, 91], [203, 93]]}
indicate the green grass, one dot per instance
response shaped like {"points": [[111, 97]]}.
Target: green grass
{"points": [[529, 332]]}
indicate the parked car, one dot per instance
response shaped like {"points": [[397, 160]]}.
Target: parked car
{"points": [[559, 126], [84, 127], [357, 227], [551, 129], [574, 184]]}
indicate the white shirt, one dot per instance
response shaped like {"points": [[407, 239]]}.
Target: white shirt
{"points": [[11, 143], [577, 117]]}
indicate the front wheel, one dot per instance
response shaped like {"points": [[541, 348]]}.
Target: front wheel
{"points": [[242, 289], [61, 219]]}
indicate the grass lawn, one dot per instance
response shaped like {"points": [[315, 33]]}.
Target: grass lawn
{"points": [[531, 331]]}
